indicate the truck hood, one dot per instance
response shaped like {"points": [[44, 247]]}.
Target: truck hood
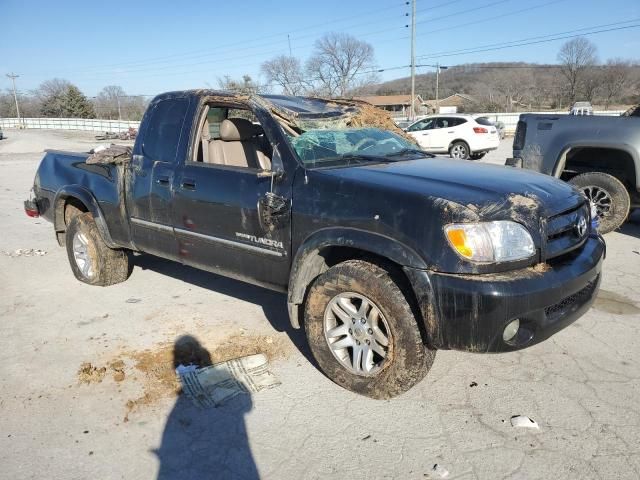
{"points": [[483, 188]]}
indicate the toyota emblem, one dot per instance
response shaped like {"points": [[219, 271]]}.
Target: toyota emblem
{"points": [[581, 226]]}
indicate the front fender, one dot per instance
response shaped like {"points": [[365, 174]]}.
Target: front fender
{"points": [[308, 262], [89, 201]]}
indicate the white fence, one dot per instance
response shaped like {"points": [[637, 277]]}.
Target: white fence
{"points": [[510, 121], [88, 124]]}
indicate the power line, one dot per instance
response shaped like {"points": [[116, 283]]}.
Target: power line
{"points": [[222, 48], [535, 40], [461, 12], [214, 62], [491, 18]]}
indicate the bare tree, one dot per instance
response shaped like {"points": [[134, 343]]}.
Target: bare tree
{"points": [[340, 64], [614, 78], [515, 86], [52, 96], [286, 72], [246, 86], [576, 56], [109, 102], [590, 84]]}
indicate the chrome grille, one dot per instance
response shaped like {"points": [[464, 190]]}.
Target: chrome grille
{"points": [[563, 231]]}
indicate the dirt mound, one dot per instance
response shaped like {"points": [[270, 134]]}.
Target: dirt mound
{"points": [[89, 373]]}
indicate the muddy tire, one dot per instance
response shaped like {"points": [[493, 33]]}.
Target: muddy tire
{"points": [[459, 150], [91, 260], [335, 317], [71, 211], [608, 194]]}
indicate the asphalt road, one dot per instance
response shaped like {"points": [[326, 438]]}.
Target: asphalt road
{"points": [[62, 419]]}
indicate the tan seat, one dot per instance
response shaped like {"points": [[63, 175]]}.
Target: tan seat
{"points": [[238, 145]]}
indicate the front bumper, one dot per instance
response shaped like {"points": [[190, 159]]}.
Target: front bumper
{"points": [[470, 312]]}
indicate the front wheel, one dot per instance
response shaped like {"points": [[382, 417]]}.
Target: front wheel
{"points": [[363, 333], [92, 261], [459, 150], [607, 195]]}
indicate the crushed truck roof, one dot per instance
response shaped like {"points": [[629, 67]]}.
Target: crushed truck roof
{"points": [[305, 113]]}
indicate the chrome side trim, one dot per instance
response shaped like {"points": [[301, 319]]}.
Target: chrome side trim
{"points": [[231, 243], [153, 225]]}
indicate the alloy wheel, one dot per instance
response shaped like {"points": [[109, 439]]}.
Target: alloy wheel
{"points": [[81, 254], [357, 333]]}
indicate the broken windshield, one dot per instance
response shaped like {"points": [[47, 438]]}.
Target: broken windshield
{"points": [[337, 147]]}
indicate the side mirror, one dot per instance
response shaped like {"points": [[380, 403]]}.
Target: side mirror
{"points": [[277, 166]]}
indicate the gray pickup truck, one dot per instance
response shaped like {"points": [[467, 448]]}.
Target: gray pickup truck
{"points": [[598, 154]]}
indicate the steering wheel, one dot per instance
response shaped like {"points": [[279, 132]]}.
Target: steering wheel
{"points": [[360, 146]]}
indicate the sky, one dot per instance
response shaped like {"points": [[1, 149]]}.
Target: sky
{"points": [[148, 47]]}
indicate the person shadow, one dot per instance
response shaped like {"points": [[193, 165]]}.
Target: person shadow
{"points": [[207, 443]]}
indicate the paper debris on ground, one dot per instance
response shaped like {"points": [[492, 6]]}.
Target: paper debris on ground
{"points": [[25, 252], [440, 471], [212, 386], [524, 422]]}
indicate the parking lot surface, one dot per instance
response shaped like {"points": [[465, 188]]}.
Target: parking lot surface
{"points": [[87, 388]]}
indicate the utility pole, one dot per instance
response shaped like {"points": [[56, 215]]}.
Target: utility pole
{"points": [[437, 86], [13, 77], [289, 40], [119, 111], [413, 59]]}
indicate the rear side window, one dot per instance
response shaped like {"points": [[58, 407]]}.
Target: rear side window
{"points": [[484, 121], [458, 121], [163, 133]]}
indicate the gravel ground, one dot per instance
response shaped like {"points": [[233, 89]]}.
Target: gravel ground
{"points": [[86, 389]]}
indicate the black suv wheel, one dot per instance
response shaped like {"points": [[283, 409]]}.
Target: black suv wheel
{"points": [[609, 197]]}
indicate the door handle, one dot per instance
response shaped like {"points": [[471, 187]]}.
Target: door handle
{"points": [[188, 184], [162, 180], [451, 131]]}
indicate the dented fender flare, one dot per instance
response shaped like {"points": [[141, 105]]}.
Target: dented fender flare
{"points": [[308, 262], [84, 196]]}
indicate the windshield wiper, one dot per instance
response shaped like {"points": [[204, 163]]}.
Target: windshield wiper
{"points": [[406, 151], [357, 156]]}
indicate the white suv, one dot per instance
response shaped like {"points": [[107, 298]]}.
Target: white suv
{"points": [[461, 136]]}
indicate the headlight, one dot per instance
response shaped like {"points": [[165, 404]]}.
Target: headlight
{"points": [[499, 241]]}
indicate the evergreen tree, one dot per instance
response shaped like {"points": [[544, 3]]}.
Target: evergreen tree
{"points": [[76, 105]]}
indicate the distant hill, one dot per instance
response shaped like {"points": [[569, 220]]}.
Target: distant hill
{"points": [[513, 86]]}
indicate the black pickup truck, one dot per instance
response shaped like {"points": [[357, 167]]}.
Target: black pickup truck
{"points": [[386, 253]]}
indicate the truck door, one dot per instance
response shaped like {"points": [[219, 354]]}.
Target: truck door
{"points": [[152, 170], [223, 200]]}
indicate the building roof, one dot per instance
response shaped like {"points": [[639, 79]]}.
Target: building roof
{"points": [[468, 98], [383, 100]]}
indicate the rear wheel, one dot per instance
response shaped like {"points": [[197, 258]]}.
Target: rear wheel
{"points": [[363, 333], [607, 195], [91, 260], [459, 150]]}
